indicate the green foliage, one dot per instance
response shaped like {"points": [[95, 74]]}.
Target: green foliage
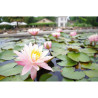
{"points": [[85, 21], [43, 24]]}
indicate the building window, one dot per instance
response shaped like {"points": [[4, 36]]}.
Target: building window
{"points": [[61, 24], [62, 19]]}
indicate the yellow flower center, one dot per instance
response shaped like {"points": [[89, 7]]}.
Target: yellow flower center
{"points": [[37, 54]]}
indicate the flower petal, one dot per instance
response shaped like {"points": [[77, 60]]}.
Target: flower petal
{"points": [[35, 66], [45, 66], [20, 63], [33, 73], [40, 48], [26, 68], [47, 58], [45, 53]]}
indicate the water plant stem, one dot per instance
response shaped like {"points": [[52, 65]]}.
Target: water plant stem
{"points": [[35, 39]]}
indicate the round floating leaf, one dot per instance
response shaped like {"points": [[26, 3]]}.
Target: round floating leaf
{"points": [[90, 66], [56, 69], [53, 78], [16, 77], [91, 73], [11, 71], [88, 50], [58, 51], [9, 45], [7, 66], [66, 61], [7, 55], [44, 77], [79, 56], [18, 48], [58, 45], [67, 80], [72, 74], [93, 79]]}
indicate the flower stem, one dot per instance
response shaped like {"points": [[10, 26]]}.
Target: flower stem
{"points": [[35, 39]]}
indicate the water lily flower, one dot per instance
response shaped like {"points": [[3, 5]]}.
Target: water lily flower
{"points": [[47, 45], [56, 35], [34, 32], [73, 33], [93, 38], [59, 30], [32, 58]]}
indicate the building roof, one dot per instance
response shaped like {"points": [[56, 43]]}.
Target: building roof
{"points": [[45, 20]]}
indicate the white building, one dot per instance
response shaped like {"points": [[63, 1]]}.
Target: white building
{"points": [[61, 21]]}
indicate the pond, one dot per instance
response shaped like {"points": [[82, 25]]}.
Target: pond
{"points": [[75, 59]]}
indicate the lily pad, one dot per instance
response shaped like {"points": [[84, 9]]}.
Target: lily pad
{"points": [[88, 50], [7, 55], [9, 45], [91, 73], [66, 61], [67, 80], [16, 77], [53, 78], [72, 74], [90, 66], [12, 71], [79, 56], [56, 68], [44, 77], [7, 66]]}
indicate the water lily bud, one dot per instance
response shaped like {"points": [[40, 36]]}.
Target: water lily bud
{"points": [[47, 44], [73, 33], [59, 30], [34, 32], [56, 35], [93, 38]]}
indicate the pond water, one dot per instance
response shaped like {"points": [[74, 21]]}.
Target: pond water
{"points": [[68, 54]]}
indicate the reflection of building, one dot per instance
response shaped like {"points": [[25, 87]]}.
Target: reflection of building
{"points": [[61, 21]]}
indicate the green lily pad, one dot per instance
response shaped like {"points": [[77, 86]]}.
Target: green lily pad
{"points": [[12, 71], [88, 50], [67, 80], [16, 77], [66, 61], [9, 45], [7, 55], [53, 78], [18, 48], [93, 79], [44, 77], [56, 68], [7, 66], [72, 74], [91, 73], [79, 56], [58, 51], [90, 66], [58, 45]]}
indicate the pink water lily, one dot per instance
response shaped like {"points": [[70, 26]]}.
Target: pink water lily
{"points": [[73, 33], [59, 30], [93, 38], [32, 58], [47, 44], [34, 32], [56, 35]]}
